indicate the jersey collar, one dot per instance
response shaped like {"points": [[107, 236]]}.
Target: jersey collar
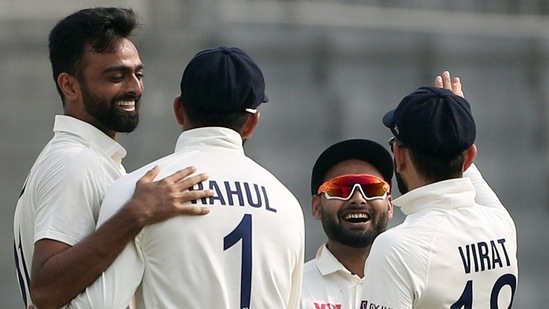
{"points": [[446, 194], [91, 135]]}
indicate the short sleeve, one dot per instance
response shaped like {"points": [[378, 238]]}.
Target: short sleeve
{"points": [[69, 196]]}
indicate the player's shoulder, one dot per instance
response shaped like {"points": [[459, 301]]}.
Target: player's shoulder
{"points": [[130, 179], [261, 175], [118, 193], [311, 274], [71, 164], [395, 239], [71, 154], [310, 266], [262, 172]]}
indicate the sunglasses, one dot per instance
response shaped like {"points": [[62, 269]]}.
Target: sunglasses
{"points": [[393, 140], [343, 187]]}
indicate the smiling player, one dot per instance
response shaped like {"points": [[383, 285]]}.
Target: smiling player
{"points": [[99, 77], [350, 188]]}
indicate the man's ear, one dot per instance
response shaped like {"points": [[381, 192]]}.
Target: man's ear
{"points": [[390, 207], [250, 125], [470, 155], [316, 207], [179, 110], [70, 86]]}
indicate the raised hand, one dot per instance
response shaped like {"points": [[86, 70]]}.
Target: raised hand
{"points": [[445, 81]]}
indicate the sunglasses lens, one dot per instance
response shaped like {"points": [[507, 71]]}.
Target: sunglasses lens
{"points": [[343, 187], [373, 190], [342, 191]]}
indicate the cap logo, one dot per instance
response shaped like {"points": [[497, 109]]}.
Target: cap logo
{"points": [[397, 130]]}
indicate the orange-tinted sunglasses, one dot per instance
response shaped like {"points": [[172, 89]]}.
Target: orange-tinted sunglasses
{"points": [[343, 187]]}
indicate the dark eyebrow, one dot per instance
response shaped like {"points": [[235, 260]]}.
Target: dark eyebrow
{"points": [[121, 68]]}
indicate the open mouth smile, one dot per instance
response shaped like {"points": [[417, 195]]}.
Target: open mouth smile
{"points": [[357, 217], [128, 106]]}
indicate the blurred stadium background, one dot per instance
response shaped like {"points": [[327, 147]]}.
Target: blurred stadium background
{"points": [[332, 68]]}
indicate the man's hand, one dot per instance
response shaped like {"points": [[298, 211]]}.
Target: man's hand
{"points": [[156, 201], [444, 81]]}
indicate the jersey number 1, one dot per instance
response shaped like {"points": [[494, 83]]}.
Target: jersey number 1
{"points": [[243, 231]]}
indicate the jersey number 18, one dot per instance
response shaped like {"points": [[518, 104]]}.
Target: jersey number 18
{"points": [[465, 301]]}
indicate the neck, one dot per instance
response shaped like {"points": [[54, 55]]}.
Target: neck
{"points": [[352, 258]]}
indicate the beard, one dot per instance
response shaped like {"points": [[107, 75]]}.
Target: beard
{"points": [[357, 238], [107, 114], [401, 183]]}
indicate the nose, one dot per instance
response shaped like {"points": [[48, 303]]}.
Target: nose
{"points": [[357, 197], [135, 84]]}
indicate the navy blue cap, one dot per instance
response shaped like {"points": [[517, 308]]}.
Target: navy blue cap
{"points": [[433, 121], [357, 149], [223, 79]]}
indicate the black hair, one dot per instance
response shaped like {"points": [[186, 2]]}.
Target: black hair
{"points": [[231, 120], [438, 168], [95, 28]]}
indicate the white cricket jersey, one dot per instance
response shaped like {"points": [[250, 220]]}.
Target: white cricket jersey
{"points": [[246, 253], [327, 284], [63, 192], [450, 252]]}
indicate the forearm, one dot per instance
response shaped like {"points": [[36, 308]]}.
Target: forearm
{"points": [[115, 288], [65, 274]]}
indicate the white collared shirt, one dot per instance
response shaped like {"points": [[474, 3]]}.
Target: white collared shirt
{"points": [[450, 251], [64, 190], [328, 284], [255, 228]]}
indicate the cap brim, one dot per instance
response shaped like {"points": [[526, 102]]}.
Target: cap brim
{"points": [[389, 119]]}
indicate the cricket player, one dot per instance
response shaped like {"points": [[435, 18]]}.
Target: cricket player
{"points": [[450, 252], [99, 76], [351, 196]]}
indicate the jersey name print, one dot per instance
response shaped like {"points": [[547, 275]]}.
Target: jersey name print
{"points": [[483, 255], [239, 193]]}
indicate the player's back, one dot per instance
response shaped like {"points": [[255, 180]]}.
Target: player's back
{"points": [[247, 252], [463, 257]]}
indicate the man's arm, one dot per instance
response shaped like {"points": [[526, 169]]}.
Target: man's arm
{"points": [[116, 286], [60, 271], [485, 195]]}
